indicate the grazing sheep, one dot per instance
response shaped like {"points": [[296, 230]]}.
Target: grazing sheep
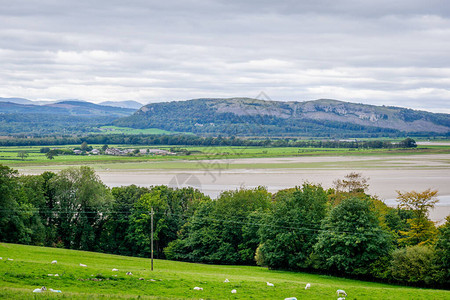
{"points": [[54, 262], [339, 292], [308, 285], [141, 278], [198, 288], [83, 265], [56, 275], [129, 273], [233, 291], [115, 270], [42, 289], [226, 280], [10, 259], [55, 291], [270, 284]]}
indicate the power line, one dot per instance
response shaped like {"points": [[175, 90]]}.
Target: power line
{"points": [[306, 227]]}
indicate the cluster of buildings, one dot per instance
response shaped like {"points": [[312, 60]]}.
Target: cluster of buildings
{"points": [[124, 152], [115, 151]]}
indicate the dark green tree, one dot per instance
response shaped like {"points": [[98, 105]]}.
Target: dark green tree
{"points": [[442, 257], [413, 264], [290, 229], [351, 239], [408, 143], [22, 154], [171, 209], [215, 233], [51, 154], [11, 224], [82, 200], [115, 238]]}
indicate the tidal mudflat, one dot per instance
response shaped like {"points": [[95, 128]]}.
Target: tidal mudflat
{"points": [[387, 174]]}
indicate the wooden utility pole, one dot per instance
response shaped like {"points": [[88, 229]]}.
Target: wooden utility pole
{"points": [[152, 237]]}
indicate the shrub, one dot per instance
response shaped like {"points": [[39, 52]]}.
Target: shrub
{"points": [[413, 265]]}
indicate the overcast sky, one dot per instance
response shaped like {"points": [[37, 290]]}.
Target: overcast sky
{"points": [[382, 52]]}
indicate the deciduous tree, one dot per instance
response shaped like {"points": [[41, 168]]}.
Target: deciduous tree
{"points": [[82, 200], [422, 230], [290, 228], [351, 239]]}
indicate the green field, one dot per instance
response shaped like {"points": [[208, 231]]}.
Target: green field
{"points": [[9, 155], [31, 266]]}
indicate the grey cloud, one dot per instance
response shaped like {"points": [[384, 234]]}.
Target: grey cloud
{"points": [[374, 51]]}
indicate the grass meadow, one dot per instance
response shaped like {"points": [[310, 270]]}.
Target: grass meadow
{"points": [[31, 268], [9, 155]]}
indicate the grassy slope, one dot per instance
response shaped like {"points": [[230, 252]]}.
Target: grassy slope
{"points": [[31, 266]]}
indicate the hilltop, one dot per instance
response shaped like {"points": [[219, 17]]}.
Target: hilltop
{"points": [[318, 118]]}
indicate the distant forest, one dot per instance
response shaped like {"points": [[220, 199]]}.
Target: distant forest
{"points": [[192, 140]]}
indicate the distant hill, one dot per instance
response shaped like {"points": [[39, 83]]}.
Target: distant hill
{"points": [[318, 118], [16, 100], [71, 108], [124, 104], [65, 117]]}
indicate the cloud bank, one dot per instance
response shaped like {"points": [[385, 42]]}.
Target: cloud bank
{"points": [[374, 52]]}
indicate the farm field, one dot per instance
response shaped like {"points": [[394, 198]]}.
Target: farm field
{"points": [[31, 268], [9, 155]]}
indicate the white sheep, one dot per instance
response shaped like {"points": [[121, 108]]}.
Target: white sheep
{"points": [[270, 284], [54, 262], [308, 285], [42, 289], [56, 275], [55, 291], [339, 292], [10, 259], [83, 265], [115, 270], [198, 288], [226, 280], [129, 273], [233, 291]]}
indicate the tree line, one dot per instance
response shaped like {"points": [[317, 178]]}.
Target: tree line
{"points": [[340, 231], [192, 140]]}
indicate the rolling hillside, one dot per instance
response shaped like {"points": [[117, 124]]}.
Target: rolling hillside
{"points": [[319, 118], [30, 268]]}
